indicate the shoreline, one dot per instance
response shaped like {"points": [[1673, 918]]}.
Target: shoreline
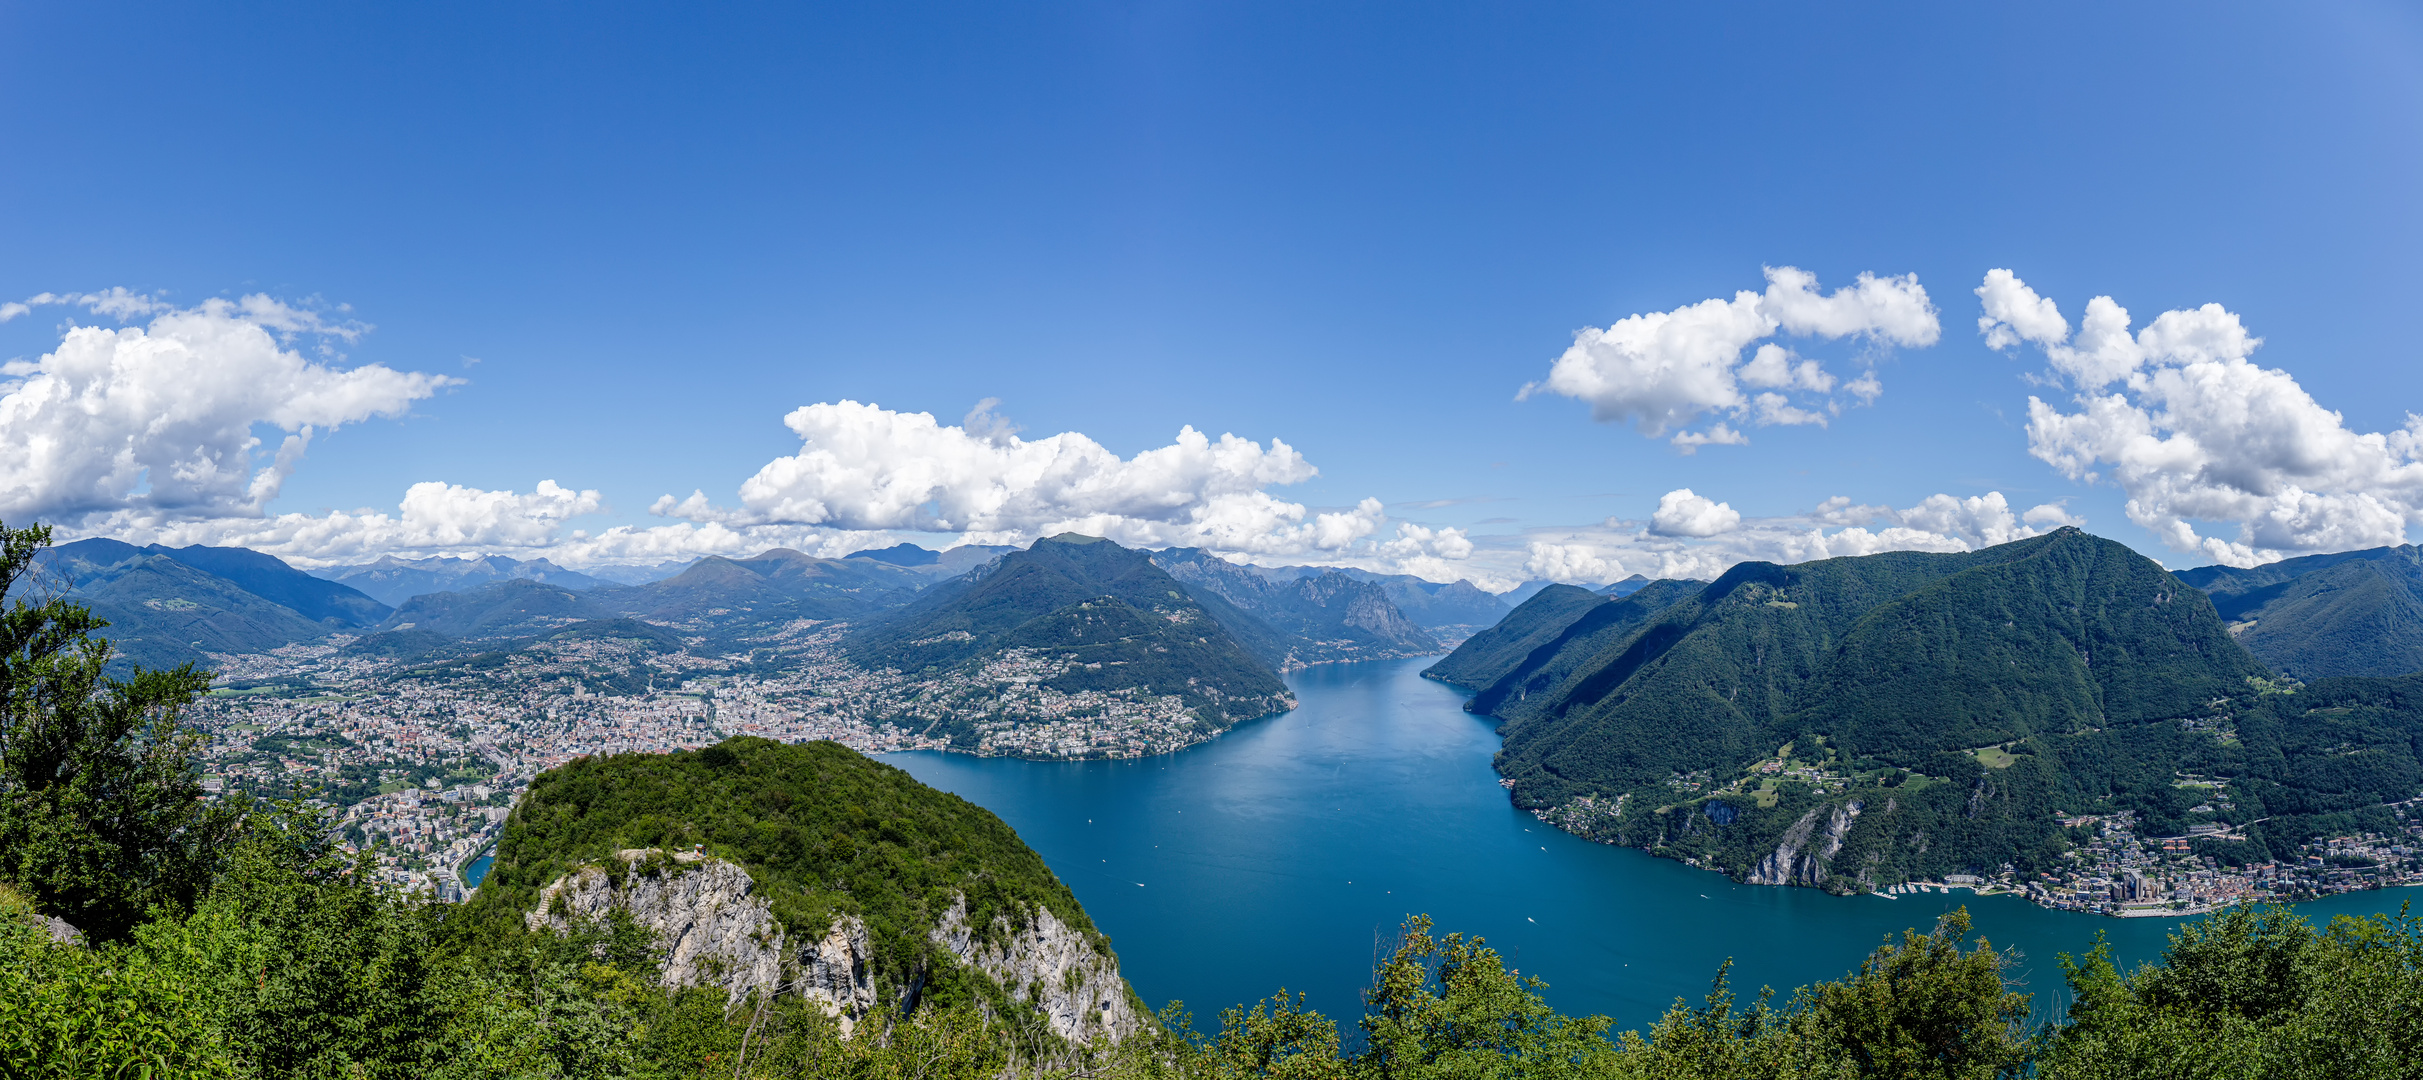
{"points": [[2134, 910]]}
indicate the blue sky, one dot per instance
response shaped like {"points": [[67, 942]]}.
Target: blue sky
{"points": [[1360, 229]]}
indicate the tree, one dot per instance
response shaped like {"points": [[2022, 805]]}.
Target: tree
{"points": [[1448, 1007], [1924, 1008], [101, 814]]}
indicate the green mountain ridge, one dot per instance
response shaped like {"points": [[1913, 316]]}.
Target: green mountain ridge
{"points": [[393, 581], [2350, 613], [165, 610], [2090, 674], [1124, 622], [1570, 627]]}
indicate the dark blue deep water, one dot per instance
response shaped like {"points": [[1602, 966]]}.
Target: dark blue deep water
{"points": [[1285, 852]]}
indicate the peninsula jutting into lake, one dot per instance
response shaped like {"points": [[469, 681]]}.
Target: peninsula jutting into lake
{"points": [[1210, 541], [1635, 720]]}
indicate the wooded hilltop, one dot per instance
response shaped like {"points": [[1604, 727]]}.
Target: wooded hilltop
{"points": [[148, 931]]}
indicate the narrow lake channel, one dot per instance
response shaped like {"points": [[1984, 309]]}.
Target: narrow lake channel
{"points": [[1284, 853]]}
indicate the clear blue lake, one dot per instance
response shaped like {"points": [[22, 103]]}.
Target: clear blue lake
{"points": [[1287, 852]]}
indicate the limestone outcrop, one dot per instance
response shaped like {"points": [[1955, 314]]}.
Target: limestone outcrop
{"points": [[1072, 980], [1805, 853], [715, 930]]}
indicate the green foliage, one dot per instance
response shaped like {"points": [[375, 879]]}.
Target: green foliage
{"points": [[1091, 601], [2250, 993], [2091, 672], [1923, 1008], [2349, 613], [1597, 628], [71, 1011], [1489, 656], [1279, 1039], [514, 608], [822, 829], [1449, 1007], [297, 964], [163, 612], [100, 815]]}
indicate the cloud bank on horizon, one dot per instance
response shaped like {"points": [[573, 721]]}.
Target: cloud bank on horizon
{"points": [[163, 432]]}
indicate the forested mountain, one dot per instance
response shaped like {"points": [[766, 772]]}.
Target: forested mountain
{"points": [[1488, 656], [392, 580], [504, 609], [1456, 603], [2349, 613], [1104, 615], [268, 577], [167, 606], [1529, 589], [935, 564], [1626, 587], [759, 910], [720, 598], [1290, 623], [886, 890], [1852, 722], [1537, 654], [769, 588], [1427, 604]]}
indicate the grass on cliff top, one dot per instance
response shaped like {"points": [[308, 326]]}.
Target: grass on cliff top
{"points": [[821, 829]]}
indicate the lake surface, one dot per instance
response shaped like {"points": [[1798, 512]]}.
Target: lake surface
{"points": [[1286, 853]]}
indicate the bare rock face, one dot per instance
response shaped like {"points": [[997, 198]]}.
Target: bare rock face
{"points": [[715, 930], [1804, 853], [1061, 970]]}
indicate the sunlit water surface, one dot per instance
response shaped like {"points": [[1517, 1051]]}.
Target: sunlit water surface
{"points": [[1287, 851]]}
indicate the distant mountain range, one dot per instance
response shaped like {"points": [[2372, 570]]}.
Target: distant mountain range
{"points": [[170, 606], [1427, 604], [392, 581], [1294, 622], [1217, 639], [2351, 613], [939, 564]]}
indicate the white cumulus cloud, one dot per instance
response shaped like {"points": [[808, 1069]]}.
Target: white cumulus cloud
{"points": [[1692, 536], [165, 421], [1669, 370], [1682, 513], [2219, 457], [1574, 564], [864, 467], [433, 518]]}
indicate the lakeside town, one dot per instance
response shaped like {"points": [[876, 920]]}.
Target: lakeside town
{"points": [[2116, 871], [422, 763]]}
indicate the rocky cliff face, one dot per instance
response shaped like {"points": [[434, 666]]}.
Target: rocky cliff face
{"points": [[1804, 854], [1366, 608], [715, 930], [1060, 970]]}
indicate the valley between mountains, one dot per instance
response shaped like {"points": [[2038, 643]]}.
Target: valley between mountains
{"points": [[2058, 717]]}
